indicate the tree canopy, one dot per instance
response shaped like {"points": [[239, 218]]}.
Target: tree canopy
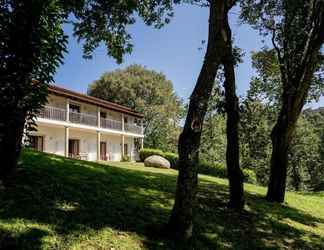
{"points": [[150, 93]]}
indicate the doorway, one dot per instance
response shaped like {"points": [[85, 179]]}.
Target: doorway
{"points": [[74, 148], [103, 151]]}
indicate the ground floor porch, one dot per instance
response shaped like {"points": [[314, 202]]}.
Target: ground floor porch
{"points": [[85, 144]]}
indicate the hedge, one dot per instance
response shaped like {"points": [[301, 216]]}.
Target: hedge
{"points": [[207, 168], [171, 157], [219, 170]]}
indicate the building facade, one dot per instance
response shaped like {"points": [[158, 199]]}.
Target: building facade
{"points": [[84, 127]]}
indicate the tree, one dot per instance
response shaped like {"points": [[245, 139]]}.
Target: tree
{"points": [[297, 31], [260, 110], [148, 92], [213, 137], [255, 143], [304, 157], [32, 47], [219, 51]]}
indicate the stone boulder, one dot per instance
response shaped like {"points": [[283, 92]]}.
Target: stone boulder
{"points": [[156, 161]]}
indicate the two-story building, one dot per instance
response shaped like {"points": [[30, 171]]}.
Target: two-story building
{"points": [[84, 127]]}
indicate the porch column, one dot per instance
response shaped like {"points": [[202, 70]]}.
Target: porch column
{"points": [[98, 116], [123, 123], [142, 127], [67, 109], [66, 153], [98, 145], [122, 145], [142, 143]]}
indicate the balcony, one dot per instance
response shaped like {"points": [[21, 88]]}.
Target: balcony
{"points": [[57, 114], [52, 113]]}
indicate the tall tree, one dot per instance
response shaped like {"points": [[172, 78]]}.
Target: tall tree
{"points": [[32, 47], [218, 52], [297, 32], [235, 175], [150, 93]]}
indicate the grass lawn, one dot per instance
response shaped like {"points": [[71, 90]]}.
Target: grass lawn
{"points": [[57, 203]]}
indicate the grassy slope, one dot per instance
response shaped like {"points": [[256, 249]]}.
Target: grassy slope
{"points": [[56, 203]]}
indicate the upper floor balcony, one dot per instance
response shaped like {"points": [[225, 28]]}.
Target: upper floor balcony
{"points": [[59, 114]]}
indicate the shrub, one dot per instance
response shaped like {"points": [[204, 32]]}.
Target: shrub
{"points": [[249, 176], [207, 168], [172, 158], [219, 170], [213, 169], [146, 152]]}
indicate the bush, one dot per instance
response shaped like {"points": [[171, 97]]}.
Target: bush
{"points": [[146, 152], [207, 168], [171, 157], [219, 170], [213, 169], [249, 176]]}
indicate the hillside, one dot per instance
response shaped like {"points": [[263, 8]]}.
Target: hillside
{"points": [[57, 203]]}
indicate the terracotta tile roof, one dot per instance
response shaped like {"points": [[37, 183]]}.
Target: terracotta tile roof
{"points": [[54, 89]]}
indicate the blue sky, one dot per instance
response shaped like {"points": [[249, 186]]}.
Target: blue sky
{"points": [[172, 50]]}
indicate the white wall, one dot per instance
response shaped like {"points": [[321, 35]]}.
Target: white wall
{"points": [[56, 101], [54, 139], [88, 142], [54, 142]]}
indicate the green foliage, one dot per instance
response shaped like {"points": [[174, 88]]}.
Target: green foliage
{"points": [[205, 167], [255, 141], [146, 152], [219, 170], [171, 157], [150, 93], [213, 137]]}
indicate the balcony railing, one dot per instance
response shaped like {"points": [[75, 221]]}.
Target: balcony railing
{"points": [[112, 124], [133, 128], [83, 118], [53, 113]]}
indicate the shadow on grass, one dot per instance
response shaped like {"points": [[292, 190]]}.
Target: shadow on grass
{"points": [[75, 197], [262, 226]]}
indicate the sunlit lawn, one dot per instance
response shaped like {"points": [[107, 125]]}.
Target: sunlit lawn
{"points": [[56, 203]]}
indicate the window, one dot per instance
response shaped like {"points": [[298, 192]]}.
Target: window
{"points": [[36, 142], [74, 108], [103, 115], [125, 120]]}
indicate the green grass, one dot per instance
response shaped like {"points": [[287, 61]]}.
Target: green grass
{"points": [[56, 203]]}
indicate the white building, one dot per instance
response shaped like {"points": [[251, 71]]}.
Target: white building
{"points": [[80, 126]]}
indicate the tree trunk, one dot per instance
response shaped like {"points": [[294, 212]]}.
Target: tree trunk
{"points": [[17, 59], [281, 137], [235, 175], [10, 143], [181, 221]]}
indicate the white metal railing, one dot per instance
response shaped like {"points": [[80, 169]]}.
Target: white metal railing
{"points": [[83, 118], [52, 113], [112, 124], [133, 128]]}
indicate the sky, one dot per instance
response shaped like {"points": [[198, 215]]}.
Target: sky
{"points": [[172, 50]]}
